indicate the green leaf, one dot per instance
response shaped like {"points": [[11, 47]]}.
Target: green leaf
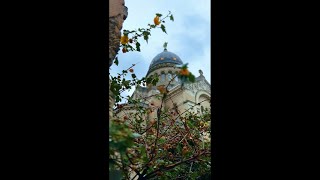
{"points": [[185, 66], [125, 32], [192, 78], [116, 62], [163, 28], [154, 82], [171, 18], [145, 37], [189, 124], [126, 84], [136, 135], [158, 14], [118, 99], [149, 79], [138, 46], [133, 75], [162, 140], [129, 46]]}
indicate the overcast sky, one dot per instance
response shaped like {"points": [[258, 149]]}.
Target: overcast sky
{"points": [[188, 35]]}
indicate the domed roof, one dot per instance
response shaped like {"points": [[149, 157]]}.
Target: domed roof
{"points": [[165, 57]]}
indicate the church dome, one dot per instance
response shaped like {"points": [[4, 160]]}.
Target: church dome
{"points": [[165, 57]]}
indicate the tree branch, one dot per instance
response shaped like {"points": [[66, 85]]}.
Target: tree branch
{"points": [[166, 168]]}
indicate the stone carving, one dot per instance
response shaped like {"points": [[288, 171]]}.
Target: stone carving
{"points": [[197, 86], [201, 73]]}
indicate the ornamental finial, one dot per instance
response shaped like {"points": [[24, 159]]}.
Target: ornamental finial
{"points": [[165, 46], [201, 73]]}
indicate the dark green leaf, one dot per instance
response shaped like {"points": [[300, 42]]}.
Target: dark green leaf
{"points": [[125, 32], [185, 66], [146, 33], [154, 82], [158, 14], [145, 37], [138, 46], [133, 75], [192, 78], [189, 124], [171, 18], [163, 28], [118, 99], [116, 62]]}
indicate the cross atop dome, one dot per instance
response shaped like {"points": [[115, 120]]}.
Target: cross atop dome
{"points": [[165, 46]]}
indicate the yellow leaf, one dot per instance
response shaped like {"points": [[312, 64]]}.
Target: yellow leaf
{"points": [[124, 39], [156, 20]]}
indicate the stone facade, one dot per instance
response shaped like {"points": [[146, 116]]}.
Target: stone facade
{"points": [[180, 97]]}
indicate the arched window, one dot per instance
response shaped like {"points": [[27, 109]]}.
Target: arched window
{"points": [[163, 77], [169, 76], [176, 78]]}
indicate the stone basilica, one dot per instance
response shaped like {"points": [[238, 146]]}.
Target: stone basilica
{"points": [[180, 97]]}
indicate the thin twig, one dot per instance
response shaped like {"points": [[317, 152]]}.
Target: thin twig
{"points": [[152, 174]]}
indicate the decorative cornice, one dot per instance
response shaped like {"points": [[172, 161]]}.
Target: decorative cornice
{"points": [[197, 86]]}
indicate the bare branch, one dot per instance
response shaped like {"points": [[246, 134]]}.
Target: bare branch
{"points": [[166, 168]]}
